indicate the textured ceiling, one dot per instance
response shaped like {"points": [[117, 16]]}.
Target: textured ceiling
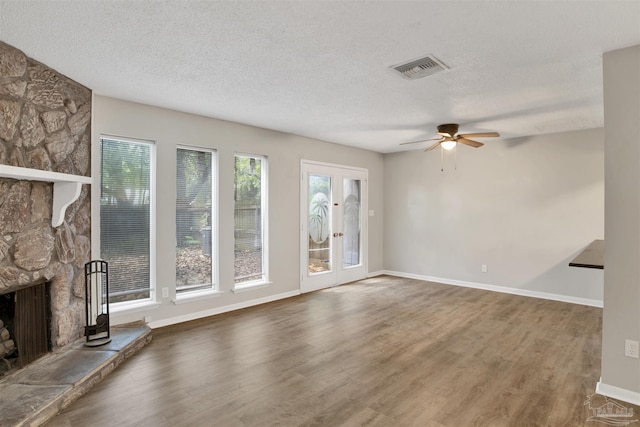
{"points": [[321, 69]]}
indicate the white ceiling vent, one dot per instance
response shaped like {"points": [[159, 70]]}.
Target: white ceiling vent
{"points": [[421, 67]]}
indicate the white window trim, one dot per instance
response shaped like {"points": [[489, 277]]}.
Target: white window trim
{"points": [[213, 289], [134, 306], [264, 197], [153, 300], [198, 295], [250, 286]]}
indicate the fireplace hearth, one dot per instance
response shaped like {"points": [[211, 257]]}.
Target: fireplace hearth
{"points": [[35, 394]]}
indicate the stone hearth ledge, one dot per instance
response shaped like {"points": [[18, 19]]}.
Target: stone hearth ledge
{"points": [[34, 395]]}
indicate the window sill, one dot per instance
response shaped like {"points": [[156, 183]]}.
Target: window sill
{"points": [[133, 307], [196, 296], [250, 287]]}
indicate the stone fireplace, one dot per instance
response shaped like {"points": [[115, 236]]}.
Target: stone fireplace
{"points": [[45, 125]]}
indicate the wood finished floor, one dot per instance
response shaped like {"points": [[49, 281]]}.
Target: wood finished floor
{"points": [[384, 351]]}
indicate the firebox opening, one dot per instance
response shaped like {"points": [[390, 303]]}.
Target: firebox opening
{"points": [[26, 333]]}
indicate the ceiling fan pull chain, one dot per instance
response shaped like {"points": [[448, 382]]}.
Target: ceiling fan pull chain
{"points": [[441, 159], [455, 157]]}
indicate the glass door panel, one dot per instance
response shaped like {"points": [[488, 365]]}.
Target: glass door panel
{"points": [[319, 224], [352, 214]]}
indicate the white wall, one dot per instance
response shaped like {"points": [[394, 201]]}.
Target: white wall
{"points": [[169, 129], [525, 207], [621, 316]]}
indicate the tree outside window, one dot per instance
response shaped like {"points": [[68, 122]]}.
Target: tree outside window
{"points": [[248, 218]]}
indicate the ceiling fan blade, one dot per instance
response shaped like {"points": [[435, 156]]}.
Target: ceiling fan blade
{"points": [[480, 135], [422, 140], [470, 142], [433, 146]]}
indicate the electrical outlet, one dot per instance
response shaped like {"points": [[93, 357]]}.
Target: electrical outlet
{"points": [[484, 268], [165, 292], [631, 348]]}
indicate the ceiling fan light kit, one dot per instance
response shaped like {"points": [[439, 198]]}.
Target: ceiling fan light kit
{"points": [[448, 144]]}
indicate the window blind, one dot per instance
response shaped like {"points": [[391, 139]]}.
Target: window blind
{"points": [[125, 217]]}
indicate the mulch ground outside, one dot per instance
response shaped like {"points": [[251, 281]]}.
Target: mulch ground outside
{"points": [[193, 267]]}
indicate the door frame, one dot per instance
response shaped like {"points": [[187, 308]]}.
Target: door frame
{"points": [[343, 171]]}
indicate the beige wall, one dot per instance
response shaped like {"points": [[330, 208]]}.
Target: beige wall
{"points": [[621, 318], [524, 207], [168, 129]]}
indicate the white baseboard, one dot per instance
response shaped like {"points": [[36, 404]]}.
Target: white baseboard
{"points": [[220, 310], [375, 273], [503, 289], [618, 393]]}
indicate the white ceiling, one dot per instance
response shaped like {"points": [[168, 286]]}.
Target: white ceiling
{"points": [[321, 68]]}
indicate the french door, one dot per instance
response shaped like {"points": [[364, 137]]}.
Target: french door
{"points": [[334, 225]]}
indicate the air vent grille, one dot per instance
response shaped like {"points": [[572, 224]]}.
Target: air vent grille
{"points": [[421, 67]]}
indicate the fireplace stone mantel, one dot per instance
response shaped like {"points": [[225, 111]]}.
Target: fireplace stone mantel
{"points": [[66, 187], [45, 208]]}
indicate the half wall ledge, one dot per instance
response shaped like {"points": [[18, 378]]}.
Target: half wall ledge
{"points": [[66, 187], [591, 257]]}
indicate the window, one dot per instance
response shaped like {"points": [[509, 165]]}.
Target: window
{"points": [[250, 203], [195, 232], [125, 217]]}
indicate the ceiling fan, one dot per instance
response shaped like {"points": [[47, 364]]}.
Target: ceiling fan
{"points": [[450, 138]]}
